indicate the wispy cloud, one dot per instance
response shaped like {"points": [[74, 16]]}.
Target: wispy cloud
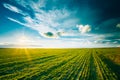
{"points": [[14, 9], [53, 20], [3, 43], [31, 5], [14, 20]]}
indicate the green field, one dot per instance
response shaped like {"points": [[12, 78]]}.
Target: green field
{"points": [[60, 64]]}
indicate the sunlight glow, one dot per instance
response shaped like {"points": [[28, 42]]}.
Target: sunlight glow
{"points": [[23, 39]]}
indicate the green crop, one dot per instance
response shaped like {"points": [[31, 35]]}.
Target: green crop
{"points": [[60, 64]]}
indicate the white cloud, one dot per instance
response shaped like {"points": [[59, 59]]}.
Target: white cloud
{"points": [[118, 25], [84, 29], [115, 42], [28, 19], [41, 28], [44, 21], [14, 9], [24, 24], [37, 5], [14, 20], [118, 46], [39, 25], [2, 43], [34, 5], [52, 20]]}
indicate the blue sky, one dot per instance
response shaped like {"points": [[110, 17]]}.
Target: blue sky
{"points": [[59, 23]]}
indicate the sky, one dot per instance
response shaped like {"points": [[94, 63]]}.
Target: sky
{"points": [[60, 23]]}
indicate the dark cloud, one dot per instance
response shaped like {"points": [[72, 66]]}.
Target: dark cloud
{"points": [[95, 12], [49, 34], [108, 26], [91, 12], [108, 8]]}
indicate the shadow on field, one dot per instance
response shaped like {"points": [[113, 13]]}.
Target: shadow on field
{"points": [[114, 67]]}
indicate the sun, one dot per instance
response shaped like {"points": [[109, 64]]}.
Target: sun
{"points": [[23, 40]]}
